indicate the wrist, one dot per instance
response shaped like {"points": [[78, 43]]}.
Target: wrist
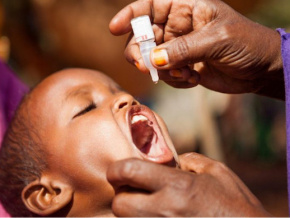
{"points": [[275, 70], [271, 82]]}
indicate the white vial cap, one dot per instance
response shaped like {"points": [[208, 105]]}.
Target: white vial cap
{"points": [[142, 28]]}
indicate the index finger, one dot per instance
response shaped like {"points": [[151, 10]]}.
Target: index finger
{"points": [[140, 174], [120, 24], [158, 12]]}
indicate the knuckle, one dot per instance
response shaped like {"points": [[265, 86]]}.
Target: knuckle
{"points": [[130, 169], [184, 183], [180, 50], [227, 32]]}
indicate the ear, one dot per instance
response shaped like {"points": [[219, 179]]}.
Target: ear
{"points": [[46, 196]]}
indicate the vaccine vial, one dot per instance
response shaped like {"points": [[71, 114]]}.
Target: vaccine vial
{"points": [[144, 36]]}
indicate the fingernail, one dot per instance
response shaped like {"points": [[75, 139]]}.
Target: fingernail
{"points": [[175, 73], [160, 57], [137, 64]]}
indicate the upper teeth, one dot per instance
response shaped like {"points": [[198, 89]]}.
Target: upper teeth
{"points": [[137, 118]]}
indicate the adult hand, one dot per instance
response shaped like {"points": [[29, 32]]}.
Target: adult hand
{"points": [[206, 42], [203, 187]]}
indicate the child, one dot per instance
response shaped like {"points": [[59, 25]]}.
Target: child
{"points": [[64, 135]]}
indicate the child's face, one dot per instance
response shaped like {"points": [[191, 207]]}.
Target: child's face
{"points": [[86, 123]]}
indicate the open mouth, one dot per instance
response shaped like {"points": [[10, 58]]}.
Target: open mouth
{"points": [[147, 136], [142, 133]]}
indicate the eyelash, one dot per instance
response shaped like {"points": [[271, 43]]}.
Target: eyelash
{"points": [[88, 108]]}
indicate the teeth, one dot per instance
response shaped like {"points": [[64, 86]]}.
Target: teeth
{"points": [[137, 118]]}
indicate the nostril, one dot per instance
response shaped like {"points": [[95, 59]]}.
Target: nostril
{"points": [[122, 105]]}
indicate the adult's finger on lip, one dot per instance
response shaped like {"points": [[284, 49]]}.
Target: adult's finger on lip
{"points": [[139, 174]]}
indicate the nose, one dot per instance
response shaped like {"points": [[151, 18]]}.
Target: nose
{"points": [[123, 100]]}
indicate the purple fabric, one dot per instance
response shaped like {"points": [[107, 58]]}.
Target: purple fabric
{"points": [[11, 92], [285, 37]]}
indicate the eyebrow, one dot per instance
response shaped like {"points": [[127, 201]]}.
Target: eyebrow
{"points": [[80, 91]]}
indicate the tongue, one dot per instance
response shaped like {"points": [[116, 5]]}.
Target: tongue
{"points": [[142, 135]]}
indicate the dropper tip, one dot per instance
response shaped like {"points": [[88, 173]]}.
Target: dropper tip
{"points": [[154, 75]]}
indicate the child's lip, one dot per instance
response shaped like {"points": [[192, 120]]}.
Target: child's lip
{"points": [[157, 151]]}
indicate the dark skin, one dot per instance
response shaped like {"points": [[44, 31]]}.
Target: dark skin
{"points": [[209, 44], [203, 187]]}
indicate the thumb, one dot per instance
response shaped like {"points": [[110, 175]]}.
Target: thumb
{"points": [[187, 49]]}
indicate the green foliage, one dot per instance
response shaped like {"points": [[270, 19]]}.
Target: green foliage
{"points": [[272, 13]]}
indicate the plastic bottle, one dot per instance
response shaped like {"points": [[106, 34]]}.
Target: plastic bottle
{"points": [[144, 35]]}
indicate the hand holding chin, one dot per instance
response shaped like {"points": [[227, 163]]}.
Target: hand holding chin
{"points": [[203, 187]]}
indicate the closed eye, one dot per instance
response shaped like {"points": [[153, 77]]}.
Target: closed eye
{"points": [[88, 108]]}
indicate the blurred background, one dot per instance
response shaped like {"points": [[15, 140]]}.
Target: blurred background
{"points": [[247, 132]]}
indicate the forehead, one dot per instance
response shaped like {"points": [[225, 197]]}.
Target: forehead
{"points": [[64, 83], [48, 96]]}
